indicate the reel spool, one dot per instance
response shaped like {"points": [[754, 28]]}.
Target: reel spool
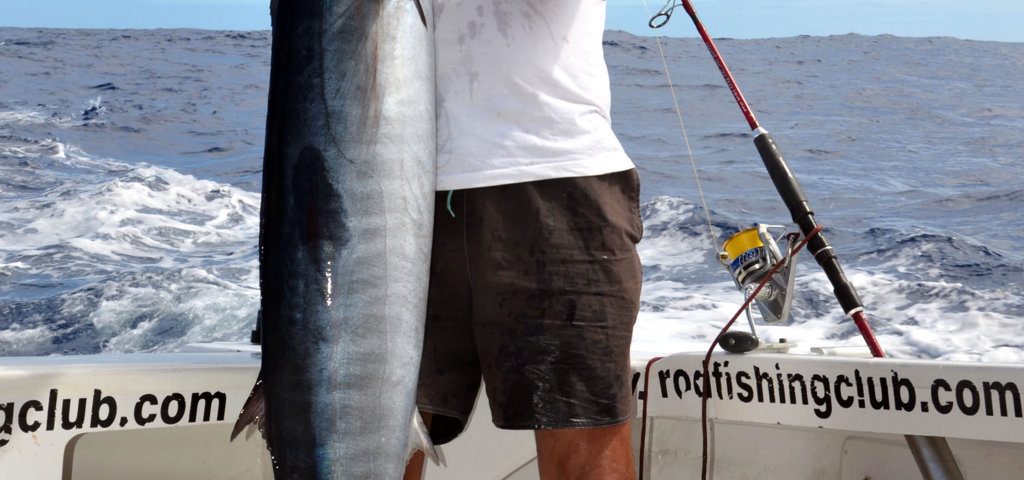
{"points": [[749, 255]]}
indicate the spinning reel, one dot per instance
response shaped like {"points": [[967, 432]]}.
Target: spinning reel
{"points": [[749, 256]]}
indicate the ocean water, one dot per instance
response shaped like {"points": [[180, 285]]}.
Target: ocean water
{"points": [[130, 168]]}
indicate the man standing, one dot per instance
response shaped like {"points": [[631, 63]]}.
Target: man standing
{"points": [[535, 279]]}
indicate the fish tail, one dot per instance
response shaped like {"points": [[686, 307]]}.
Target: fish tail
{"points": [[419, 439], [253, 411]]}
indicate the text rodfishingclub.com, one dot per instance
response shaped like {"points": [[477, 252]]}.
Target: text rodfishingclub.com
{"points": [[100, 411], [823, 393]]}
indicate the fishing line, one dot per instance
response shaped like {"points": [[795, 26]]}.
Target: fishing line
{"points": [[686, 139], [710, 226]]}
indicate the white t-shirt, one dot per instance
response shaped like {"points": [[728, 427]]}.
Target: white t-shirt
{"points": [[522, 92]]}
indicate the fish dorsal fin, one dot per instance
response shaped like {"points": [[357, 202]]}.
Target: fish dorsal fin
{"points": [[254, 411]]}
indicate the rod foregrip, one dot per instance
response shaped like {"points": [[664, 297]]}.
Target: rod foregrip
{"points": [[784, 180], [793, 196]]}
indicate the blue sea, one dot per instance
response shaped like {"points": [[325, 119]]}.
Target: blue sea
{"points": [[130, 171]]}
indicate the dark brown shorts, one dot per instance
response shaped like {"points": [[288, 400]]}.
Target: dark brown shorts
{"points": [[535, 288]]}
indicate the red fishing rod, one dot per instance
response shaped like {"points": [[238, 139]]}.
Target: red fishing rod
{"points": [[790, 191], [933, 456]]}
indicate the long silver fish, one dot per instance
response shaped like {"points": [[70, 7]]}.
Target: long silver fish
{"points": [[346, 219]]}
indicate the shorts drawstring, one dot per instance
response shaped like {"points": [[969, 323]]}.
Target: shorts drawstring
{"points": [[449, 203]]}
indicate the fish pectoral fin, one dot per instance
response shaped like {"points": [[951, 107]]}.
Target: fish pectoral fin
{"points": [[253, 411], [419, 439]]}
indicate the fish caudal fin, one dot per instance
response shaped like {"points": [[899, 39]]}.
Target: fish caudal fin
{"points": [[419, 439], [254, 410]]}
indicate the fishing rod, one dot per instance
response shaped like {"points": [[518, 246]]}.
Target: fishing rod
{"points": [[933, 456]]}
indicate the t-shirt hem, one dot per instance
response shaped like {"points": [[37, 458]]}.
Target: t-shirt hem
{"points": [[530, 173]]}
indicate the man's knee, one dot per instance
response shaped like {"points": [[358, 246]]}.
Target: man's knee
{"points": [[604, 453]]}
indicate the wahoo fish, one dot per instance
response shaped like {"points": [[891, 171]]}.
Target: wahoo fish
{"points": [[345, 233]]}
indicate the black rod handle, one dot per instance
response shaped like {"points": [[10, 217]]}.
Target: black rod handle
{"points": [[795, 200]]}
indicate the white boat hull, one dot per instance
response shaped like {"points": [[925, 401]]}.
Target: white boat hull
{"points": [[168, 416], [832, 418]]}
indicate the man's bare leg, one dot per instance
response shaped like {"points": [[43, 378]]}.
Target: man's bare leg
{"points": [[415, 468], [602, 453]]}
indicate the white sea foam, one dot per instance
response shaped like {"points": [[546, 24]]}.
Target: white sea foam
{"points": [[21, 117], [956, 324], [666, 245], [944, 320], [163, 311], [156, 259], [912, 318], [7, 268], [151, 214], [28, 116], [27, 341]]}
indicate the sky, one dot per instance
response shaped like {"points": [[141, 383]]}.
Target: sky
{"points": [[998, 20]]}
